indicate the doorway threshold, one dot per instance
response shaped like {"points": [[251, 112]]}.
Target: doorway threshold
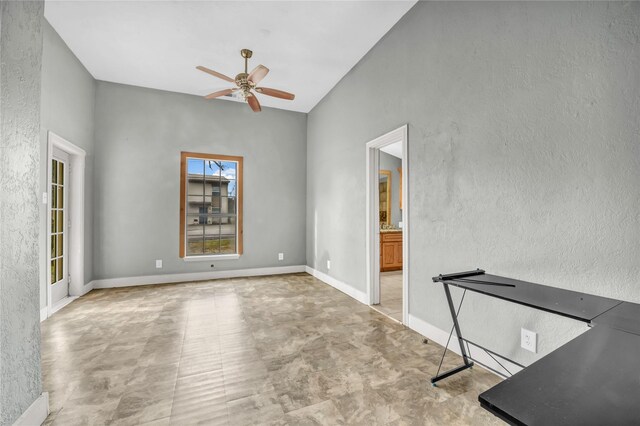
{"points": [[386, 314]]}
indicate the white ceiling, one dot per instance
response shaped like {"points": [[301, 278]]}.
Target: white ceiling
{"points": [[308, 45], [394, 149]]}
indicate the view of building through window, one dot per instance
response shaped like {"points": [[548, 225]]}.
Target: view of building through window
{"points": [[211, 207]]}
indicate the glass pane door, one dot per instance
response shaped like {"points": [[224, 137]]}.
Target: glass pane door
{"points": [[58, 228]]}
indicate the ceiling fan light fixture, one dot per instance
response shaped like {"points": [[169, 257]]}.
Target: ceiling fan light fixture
{"points": [[236, 95]]}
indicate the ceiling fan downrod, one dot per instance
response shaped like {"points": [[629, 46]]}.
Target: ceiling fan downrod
{"points": [[242, 78], [246, 54]]}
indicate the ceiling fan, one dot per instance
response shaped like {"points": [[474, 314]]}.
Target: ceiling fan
{"points": [[247, 83]]}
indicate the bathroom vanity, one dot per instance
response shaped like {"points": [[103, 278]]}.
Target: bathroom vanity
{"points": [[390, 250]]}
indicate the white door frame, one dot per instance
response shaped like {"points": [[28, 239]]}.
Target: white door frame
{"points": [[76, 216], [373, 220]]}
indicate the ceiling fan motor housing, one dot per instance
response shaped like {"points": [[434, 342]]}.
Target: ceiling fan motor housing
{"points": [[244, 84], [242, 79]]}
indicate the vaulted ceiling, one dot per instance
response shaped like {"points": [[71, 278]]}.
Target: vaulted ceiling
{"points": [[308, 45]]}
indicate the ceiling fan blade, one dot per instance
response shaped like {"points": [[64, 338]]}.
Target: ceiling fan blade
{"points": [[258, 74], [219, 93], [215, 74], [275, 93], [253, 103]]}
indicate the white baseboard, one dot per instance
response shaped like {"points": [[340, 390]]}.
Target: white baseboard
{"points": [[37, 412], [87, 288], [440, 337], [424, 328], [194, 276], [360, 296], [46, 313], [420, 326], [61, 304]]}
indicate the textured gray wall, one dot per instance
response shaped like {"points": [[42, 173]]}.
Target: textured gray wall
{"points": [[67, 109], [389, 162], [20, 64], [139, 136], [523, 156]]}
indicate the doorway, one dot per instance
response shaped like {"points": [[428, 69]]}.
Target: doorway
{"points": [[387, 224], [64, 264]]}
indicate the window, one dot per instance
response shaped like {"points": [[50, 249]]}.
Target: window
{"points": [[210, 205], [202, 219]]}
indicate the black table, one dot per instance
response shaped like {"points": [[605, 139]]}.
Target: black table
{"points": [[592, 380], [572, 304], [625, 317]]}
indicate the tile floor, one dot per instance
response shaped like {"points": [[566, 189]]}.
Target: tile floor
{"points": [[391, 294], [279, 350]]}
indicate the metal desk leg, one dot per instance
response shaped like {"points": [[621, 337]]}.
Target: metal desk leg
{"points": [[463, 351]]}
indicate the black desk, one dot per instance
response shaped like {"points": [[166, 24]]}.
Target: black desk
{"points": [[592, 380], [572, 304], [625, 317]]}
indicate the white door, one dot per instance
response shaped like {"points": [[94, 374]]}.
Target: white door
{"points": [[59, 229]]}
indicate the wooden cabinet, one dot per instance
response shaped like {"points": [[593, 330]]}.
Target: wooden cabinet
{"points": [[390, 251]]}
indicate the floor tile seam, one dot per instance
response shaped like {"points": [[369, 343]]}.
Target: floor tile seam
{"points": [[178, 369], [215, 370], [190, 397], [190, 414], [268, 376], [234, 380], [189, 400], [224, 393], [201, 353], [233, 399]]}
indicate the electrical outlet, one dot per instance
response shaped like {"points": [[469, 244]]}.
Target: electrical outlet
{"points": [[529, 340], [280, 256], [158, 263], [328, 264], [45, 198]]}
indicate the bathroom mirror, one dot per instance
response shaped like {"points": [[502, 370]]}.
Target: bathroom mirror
{"points": [[384, 185]]}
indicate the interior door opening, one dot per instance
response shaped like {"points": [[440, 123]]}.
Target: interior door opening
{"points": [[391, 230], [387, 225]]}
